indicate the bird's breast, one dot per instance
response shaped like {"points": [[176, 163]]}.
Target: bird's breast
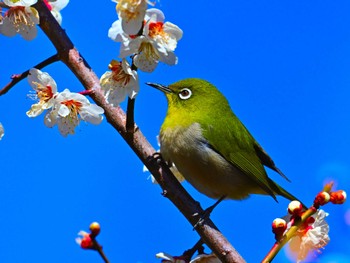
{"points": [[202, 166]]}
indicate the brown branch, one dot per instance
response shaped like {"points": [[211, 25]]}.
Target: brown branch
{"points": [[130, 121], [18, 77], [172, 189]]}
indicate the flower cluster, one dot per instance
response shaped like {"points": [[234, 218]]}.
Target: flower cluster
{"points": [[311, 229], [63, 108], [146, 38], [21, 18]]}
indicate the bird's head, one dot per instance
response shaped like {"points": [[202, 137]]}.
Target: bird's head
{"points": [[191, 94]]}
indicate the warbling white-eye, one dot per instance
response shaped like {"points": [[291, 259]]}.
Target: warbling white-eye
{"points": [[210, 146]]}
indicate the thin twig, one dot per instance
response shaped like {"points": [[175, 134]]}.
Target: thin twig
{"points": [[98, 248], [18, 77]]}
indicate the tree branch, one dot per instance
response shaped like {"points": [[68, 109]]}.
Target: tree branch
{"points": [[18, 77], [130, 122], [172, 189]]}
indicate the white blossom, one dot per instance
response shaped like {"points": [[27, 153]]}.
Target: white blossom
{"points": [[313, 238], [120, 82], [21, 19], [131, 14], [56, 7], [45, 89], [156, 43], [68, 109]]}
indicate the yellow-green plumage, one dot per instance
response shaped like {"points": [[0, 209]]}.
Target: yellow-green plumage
{"points": [[209, 145]]}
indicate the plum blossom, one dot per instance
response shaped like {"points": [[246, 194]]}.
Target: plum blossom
{"points": [[166, 34], [312, 238], [45, 90], [20, 18], [120, 82], [55, 7], [19, 2], [131, 14], [2, 131], [66, 109], [157, 42]]}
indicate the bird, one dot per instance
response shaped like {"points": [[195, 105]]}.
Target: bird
{"points": [[211, 147]]}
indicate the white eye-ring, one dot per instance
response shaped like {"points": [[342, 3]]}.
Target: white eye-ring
{"points": [[185, 94]]}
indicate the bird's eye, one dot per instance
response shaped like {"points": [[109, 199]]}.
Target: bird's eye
{"points": [[185, 94]]}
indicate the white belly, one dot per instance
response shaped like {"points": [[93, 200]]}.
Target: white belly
{"points": [[202, 167]]}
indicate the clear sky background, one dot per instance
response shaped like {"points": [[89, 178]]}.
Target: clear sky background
{"points": [[283, 65]]}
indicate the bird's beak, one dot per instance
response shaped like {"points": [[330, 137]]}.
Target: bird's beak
{"points": [[160, 87]]}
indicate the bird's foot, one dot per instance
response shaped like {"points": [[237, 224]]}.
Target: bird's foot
{"points": [[157, 157], [206, 213]]}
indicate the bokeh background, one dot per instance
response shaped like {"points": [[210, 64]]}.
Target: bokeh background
{"points": [[283, 65]]}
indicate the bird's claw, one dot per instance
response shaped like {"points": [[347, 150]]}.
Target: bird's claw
{"points": [[206, 213]]}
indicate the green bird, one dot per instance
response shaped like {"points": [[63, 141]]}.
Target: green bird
{"points": [[210, 146]]}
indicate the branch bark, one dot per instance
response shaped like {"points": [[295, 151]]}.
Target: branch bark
{"points": [[172, 189], [18, 77]]}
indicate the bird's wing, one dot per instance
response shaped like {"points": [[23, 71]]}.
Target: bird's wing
{"points": [[266, 160], [234, 143]]}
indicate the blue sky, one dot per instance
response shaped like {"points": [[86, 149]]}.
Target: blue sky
{"points": [[283, 65]]}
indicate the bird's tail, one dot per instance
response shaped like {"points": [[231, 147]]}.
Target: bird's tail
{"points": [[282, 192]]}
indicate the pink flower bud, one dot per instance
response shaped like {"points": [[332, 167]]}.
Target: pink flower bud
{"points": [[95, 229], [338, 197], [279, 225], [295, 208], [322, 198], [85, 240]]}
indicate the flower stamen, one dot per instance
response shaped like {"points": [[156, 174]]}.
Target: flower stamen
{"points": [[20, 18], [149, 51], [156, 29], [119, 75], [73, 106], [43, 93]]}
